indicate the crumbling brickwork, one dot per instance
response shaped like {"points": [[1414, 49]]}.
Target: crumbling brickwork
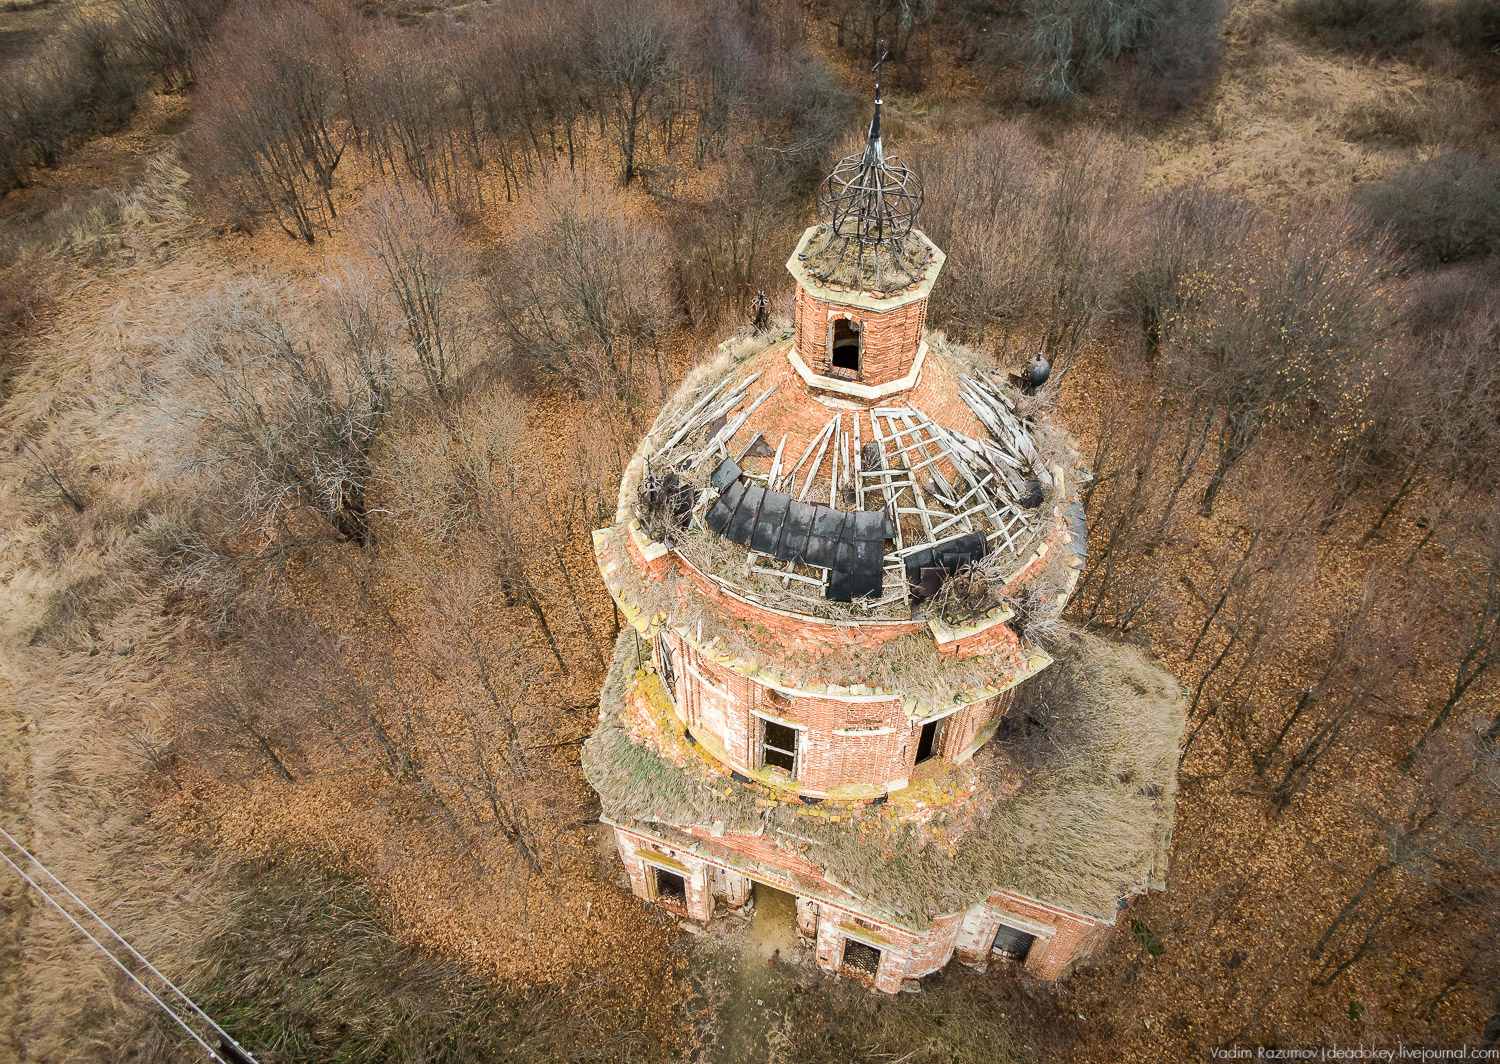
{"points": [[888, 338]]}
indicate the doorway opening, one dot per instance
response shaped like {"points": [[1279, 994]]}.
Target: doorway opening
{"points": [[671, 887], [1012, 943], [927, 741], [773, 924], [861, 959], [844, 351]]}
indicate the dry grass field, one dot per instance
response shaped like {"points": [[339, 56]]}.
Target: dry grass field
{"points": [[315, 749]]}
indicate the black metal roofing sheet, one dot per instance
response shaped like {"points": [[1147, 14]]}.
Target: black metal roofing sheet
{"points": [[766, 535], [851, 545], [726, 474], [746, 514]]}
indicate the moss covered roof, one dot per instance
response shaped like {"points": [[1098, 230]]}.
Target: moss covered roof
{"points": [[1091, 822]]}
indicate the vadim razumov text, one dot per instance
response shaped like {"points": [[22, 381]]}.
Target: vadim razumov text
{"points": [[1355, 1053]]}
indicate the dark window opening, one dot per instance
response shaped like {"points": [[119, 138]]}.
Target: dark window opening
{"points": [[927, 741], [778, 747], [859, 957], [1013, 943], [844, 351], [671, 887]]}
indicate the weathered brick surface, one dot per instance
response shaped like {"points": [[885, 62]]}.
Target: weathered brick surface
{"points": [[842, 740], [778, 626], [889, 338], [1063, 938], [807, 917], [998, 638], [730, 887], [962, 726], [641, 856], [871, 741]]}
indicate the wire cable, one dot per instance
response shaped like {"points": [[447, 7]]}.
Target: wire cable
{"points": [[228, 1052]]}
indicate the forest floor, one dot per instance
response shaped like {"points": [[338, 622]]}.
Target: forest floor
{"points": [[1284, 120]]}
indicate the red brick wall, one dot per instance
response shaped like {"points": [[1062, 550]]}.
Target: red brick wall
{"points": [[1063, 938], [963, 725], [889, 338], [636, 853], [870, 742], [995, 639], [708, 693], [1066, 938], [785, 628]]}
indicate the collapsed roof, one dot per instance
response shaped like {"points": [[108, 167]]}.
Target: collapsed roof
{"points": [[851, 504]]}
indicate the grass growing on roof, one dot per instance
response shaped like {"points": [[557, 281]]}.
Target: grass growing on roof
{"points": [[1090, 823]]}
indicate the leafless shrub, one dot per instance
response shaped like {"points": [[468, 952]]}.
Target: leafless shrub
{"points": [[82, 83], [167, 35], [291, 429], [1446, 209], [1028, 233], [583, 292], [427, 271], [638, 61], [270, 136], [1185, 231], [1176, 58], [1272, 329]]}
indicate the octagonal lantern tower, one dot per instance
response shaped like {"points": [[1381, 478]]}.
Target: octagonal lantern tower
{"points": [[841, 554]]}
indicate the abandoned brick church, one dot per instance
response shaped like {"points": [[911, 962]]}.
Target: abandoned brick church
{"points": [[841, 555]]}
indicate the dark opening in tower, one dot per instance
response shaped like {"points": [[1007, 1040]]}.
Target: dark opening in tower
{"points": [[670, 887], [927, 741], [861, 958], [778, 747], [1012, 943], [845, 349]]}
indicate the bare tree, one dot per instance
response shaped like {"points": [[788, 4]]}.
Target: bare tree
{"points": [[1273, 329], [293, 428], [583, 292], [1357, 673], [427, 271], [1031, 234], [1477, 645], [638, 61], [1185, 230], [270, 135]]}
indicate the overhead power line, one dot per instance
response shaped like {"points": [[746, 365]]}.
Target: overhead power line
{"points": [[199, 1026]]}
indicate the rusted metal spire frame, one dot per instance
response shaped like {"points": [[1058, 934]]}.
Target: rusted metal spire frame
{"points": [[869, 202]]}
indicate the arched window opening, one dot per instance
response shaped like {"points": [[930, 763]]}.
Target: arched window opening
{"points": [[844, 352]]}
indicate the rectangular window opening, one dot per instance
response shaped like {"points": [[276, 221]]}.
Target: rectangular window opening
{"points": [[859, 957], [1013, 943], [778, 747], [844, 346], [670, 887], [927, 741]]}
